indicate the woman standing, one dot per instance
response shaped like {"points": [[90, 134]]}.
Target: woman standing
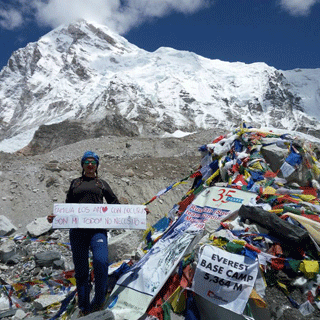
{"points": [[89, 189]]}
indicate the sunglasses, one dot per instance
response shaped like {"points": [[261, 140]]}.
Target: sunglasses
{"points": [[93, 162]]}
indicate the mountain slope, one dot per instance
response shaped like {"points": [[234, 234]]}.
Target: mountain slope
{"points": [[84, 72]]}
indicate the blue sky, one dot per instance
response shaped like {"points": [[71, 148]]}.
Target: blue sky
{"points": [[284, 34]]}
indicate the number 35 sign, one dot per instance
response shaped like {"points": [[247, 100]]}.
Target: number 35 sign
{"points": [[225, 199]]}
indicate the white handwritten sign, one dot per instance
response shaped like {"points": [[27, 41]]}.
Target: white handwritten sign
{"points": [[95, 216], [224, 278]]}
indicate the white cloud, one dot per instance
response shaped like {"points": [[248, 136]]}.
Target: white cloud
{"points": [[120, 15], [10, 19], [298, 7], [56, 12]]}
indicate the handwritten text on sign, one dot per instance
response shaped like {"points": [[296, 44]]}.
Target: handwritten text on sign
{"points": [[224, 278], [105, 216]]}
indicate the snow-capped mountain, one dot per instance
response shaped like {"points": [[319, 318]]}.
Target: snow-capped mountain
{"points": [[93, 80]]}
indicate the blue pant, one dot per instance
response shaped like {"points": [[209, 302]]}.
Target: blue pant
{"points": [[81, 241]]}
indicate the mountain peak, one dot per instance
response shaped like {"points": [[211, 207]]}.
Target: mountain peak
{"points": [[85, 72], [84, 34]]}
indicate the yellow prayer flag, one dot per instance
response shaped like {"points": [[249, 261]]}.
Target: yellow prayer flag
{"points": [[247, 175], [178, 300], [276, 211], [73, 281], [316, 170], [259, 302], [257, 166], [208, 181], [269, 190], [309, 268], [306, 197], [283, 287], [241, 242], [218, 242]]}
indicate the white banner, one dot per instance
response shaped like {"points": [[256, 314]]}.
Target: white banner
{"points": [[96, 216], [224, 278], [136, 289], [216, 203], [160, 262], [148, 276]]}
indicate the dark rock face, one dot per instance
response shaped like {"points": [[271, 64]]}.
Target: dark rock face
{"points": [[50, 137], [115, 125], [102, 35]]}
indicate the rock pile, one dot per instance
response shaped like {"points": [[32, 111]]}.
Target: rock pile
{"points": [[36, 270], [279, 227]]}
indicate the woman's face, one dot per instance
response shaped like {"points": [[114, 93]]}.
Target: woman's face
{"points": [[90, 167]]}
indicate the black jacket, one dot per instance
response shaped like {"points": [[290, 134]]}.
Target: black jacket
{"points": [[90, 190]]}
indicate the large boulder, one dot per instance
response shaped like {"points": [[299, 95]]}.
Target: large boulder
{"points": [[275, 157], [46, 258], [7, 250], [6, 227], [39, 227], [124, 245]]}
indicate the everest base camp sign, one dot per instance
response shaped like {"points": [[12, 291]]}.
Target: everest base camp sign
{"points": [[224, 278], [96, 216]]}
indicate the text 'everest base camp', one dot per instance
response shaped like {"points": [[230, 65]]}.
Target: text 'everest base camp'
{"points": [[243, 240]]}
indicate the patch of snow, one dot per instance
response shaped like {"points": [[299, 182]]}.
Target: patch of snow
{"points": [[177, 134], [17, 142]]}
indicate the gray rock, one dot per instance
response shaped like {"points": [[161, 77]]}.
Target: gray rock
{"points": [[38, 227], [6, 227], [46, 258], [36, 271], [9, 313], [53, 166], [58, 264], [275, 157], [7, 250], [15, 259], [20, 314], [47, 300], [123, 244]]}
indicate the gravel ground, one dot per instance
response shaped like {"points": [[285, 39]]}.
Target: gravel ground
{"points": [[136, 169]]}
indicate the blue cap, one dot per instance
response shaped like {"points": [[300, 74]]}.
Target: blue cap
{"points": [[89, 154]]}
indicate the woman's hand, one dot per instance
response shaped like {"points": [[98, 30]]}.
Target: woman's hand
{"points": [[50, 217]]}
